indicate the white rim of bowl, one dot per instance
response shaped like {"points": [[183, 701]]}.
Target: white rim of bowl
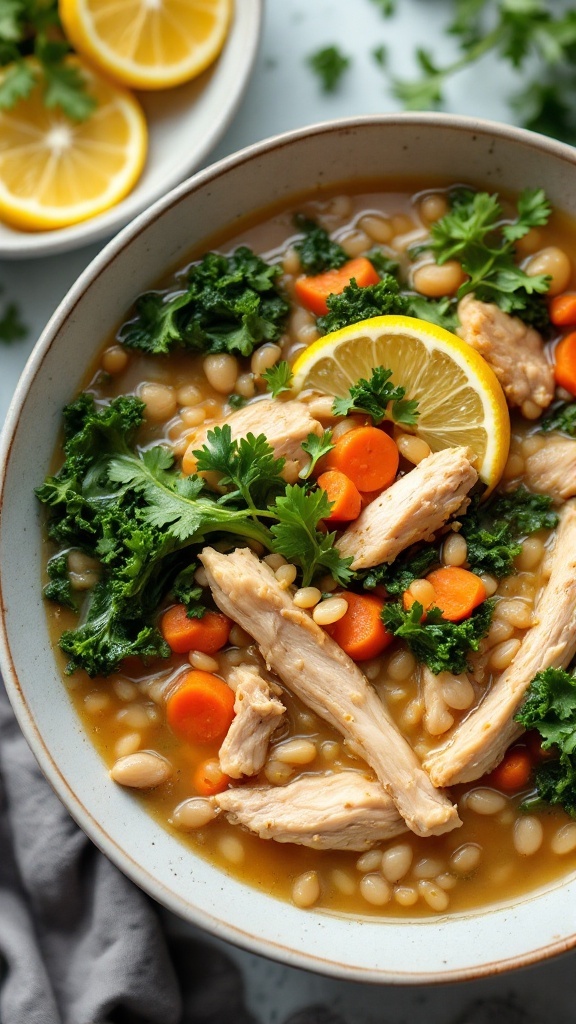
{"points": [[93, 828]]}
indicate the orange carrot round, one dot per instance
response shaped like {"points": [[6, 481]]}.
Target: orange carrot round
{"points": [[562, 310], [344, 495], [208, 634], [513, 772], [201, 709], [312, 291], [457, 591], [361, 632], [565, 363], [367, 456], [209, 779]]}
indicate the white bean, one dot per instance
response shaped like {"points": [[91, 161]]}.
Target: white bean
{"points": [[143, 770], [221, 371], [331, 610], [396, 861], [528, 835], [435, 281], [194, 813], [433, 895], [296, 751], [264, 358], [306, 889], [465, 859], [375, 890], [454, 550], [554, 262], [485, 801], [564, 840]]}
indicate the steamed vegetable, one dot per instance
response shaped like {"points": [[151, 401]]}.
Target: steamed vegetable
{"points": [[550, 708]]}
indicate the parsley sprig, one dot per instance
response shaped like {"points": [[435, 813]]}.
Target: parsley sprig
{"points": [[475, 233], [32, 28], [378, 398]]}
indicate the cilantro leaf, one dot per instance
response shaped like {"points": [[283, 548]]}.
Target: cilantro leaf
{"points": [[442, 646], [379, 398], [297, 537], [278, 378], [316, 447], [329, 64], [560, 417], [317, 251], [230, 304]]}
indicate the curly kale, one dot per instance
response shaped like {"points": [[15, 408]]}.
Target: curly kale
{"points": [[493, 530], [317, 251], [550, 708], [228, 304], [441, 645]]}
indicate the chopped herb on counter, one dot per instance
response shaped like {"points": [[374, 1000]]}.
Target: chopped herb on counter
{"points": [[329, 64]]}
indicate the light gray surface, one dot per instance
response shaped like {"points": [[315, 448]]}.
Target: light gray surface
{"points": [[284, 94]]}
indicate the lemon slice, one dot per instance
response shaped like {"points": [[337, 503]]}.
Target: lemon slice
{"points": [[460, 401], [148, 44], [54, 171]]}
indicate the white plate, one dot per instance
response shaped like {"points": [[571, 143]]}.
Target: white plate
{"points": [[184, 124]]}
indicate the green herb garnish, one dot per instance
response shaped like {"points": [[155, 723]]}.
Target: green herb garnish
{"points": [[317, 251], [378, 398], [329, 64], [442, 646]]}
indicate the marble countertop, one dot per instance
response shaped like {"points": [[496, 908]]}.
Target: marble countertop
{"points": [[284, 94]]}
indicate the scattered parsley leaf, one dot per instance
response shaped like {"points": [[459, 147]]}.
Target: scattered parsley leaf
{"points": [[317, 251], [378, 398], [380, 55], [247, 465], [316, 447], [278, 378], [230, 304], [236, 401], [442, 646], [11, 326], [329, 64]]}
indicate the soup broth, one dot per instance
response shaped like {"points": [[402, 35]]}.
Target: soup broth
{"points": [[503, 849]]}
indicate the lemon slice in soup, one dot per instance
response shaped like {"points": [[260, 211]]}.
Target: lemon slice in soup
{"points": [[460, 401]]}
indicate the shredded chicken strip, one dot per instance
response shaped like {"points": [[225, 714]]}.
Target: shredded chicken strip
{"points": [[257, 715], [479, 743], [411, 510], [552, 469], [316, 669], [342, 811]]}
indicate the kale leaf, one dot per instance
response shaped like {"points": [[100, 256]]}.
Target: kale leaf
{"points": [[560, 417], [550, 707], [317, 251], [441, 645], [229, 304], [397, 576], [475, 233], [378, 398], [493, 529], [59, 588], [383, 299]]}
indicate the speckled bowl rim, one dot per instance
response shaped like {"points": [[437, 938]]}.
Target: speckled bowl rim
{"points": [[315, 924]]}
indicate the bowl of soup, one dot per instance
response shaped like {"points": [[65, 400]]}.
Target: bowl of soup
{"points": [[287, 509]]}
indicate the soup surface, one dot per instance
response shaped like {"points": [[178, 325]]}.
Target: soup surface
{"points": [[322, 698]]}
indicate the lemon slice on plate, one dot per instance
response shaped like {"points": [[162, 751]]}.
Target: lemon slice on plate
{"points": [[460, 401], [148, 44], [54, 171]]}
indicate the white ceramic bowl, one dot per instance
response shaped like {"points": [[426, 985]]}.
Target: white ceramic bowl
{"points": [[184, 124], [442, 948]]}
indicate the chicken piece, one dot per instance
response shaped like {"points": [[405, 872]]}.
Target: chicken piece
{"points": [[552, 469], [285, 424], [342, 811], [316, 669], [257, 715], [514, 350], [479, 743], [411, 510]]}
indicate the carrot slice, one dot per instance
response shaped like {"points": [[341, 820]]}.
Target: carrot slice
{"points": [[513, 772], [312, 291], [201, 709], [208, 634], [360, 632], [209, 779], [344, 495], [367, 456], [458, 591], [565, 363], [562, 310]]}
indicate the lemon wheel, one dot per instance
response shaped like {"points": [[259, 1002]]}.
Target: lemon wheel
{"points": [[460, 401], [54, 171], [148, 44]]}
